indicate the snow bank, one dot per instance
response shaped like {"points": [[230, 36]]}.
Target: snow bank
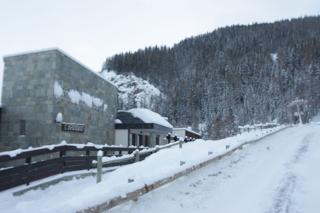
{"points": [[149, 116], [83, 193], [316, 119]]}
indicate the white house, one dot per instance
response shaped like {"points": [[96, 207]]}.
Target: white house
{"points": [[186, 132], [141, 127]]}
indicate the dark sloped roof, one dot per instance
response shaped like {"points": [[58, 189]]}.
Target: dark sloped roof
{"points": [[129, 121], [128, 118]]}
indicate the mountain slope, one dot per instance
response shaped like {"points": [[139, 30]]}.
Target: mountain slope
{"points": [[134, 91], [234, 75]]}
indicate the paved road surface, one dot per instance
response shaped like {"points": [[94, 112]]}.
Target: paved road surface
{"points": [[280, 174]]}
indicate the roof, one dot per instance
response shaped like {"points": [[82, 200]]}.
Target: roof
{"points": [[187, 129], [61, 52], [142, 116]]}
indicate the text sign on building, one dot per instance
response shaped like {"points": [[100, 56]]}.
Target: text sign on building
{"points": [[70, 127]]}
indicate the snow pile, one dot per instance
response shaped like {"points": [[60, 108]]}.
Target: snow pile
{"points": [[148, 116], [57, 90], [133, 91], [316, 119], [76, 97], [274, 57], [117, 121], [83, 193], [59, 117], [89, 100]]}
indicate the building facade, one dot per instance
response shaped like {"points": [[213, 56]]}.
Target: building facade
{"points": [[185, 132], [141, 127], [49, 97]]}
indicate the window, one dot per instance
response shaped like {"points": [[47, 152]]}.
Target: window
{"points": [[157, 140], [146, 140], [22, 127], [133, 141], [140, 140]]}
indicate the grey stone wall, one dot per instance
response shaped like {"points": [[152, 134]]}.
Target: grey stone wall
{"points": [[30, 93]]}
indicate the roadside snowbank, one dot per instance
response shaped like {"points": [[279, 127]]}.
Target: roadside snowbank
{"points": [[80, 194]]}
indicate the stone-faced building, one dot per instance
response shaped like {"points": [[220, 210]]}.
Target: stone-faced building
{"points": [[48, 97]]}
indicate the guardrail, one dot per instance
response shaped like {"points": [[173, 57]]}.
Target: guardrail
{"points": [[133, 157], [23, 167]]}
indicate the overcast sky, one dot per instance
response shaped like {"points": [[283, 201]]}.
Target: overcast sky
{"points": [[91, 30]]}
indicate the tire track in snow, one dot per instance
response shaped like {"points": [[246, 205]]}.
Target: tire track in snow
{"points": [[283, 202]]}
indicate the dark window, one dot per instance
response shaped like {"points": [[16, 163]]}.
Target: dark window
{"points": [[140, 140], [157, 140], [133, 139], [22, 130], [146, 139]]}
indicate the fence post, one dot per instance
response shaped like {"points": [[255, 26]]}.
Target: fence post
{"points": [[180, 144], [157, 148], [136, 156], [88, 159], [62, 154], [99, 166], [28, 161]]}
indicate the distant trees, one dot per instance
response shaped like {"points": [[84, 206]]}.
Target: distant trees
{"points": [[234, 75]]}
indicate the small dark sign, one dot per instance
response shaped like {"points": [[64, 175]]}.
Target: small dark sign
{"points": [[70, 127]]}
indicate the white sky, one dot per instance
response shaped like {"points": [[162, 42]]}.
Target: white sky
{"points": [[91, 30]]}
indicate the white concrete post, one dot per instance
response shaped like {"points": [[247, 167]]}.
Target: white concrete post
{"points": [[180, 144], [99, 165], [136, 156]]}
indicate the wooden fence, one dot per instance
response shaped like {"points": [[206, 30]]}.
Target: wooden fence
{"points": [[40, 163]]}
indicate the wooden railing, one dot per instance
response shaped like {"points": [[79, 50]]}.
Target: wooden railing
{"points": [[136, 156], [28, 166]]}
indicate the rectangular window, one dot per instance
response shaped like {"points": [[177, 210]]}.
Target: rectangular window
{"points": [[22, 127], [140, 140], [133, 141], [146, 140], [157, 140]]}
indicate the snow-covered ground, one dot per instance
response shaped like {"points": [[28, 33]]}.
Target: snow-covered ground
{"points": [[82, 193], [278, 174]]}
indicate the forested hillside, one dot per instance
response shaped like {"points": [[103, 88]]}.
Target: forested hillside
{"points": [[234, 75]]}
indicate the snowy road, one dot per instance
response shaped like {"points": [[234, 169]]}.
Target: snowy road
{"points": [[279, 174]]}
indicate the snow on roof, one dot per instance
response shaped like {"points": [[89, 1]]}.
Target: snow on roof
{"points": [[149, 116], [118, 121], [187, 129]]}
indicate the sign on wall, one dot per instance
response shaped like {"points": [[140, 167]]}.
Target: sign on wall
{"points": [[71, 127]]}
